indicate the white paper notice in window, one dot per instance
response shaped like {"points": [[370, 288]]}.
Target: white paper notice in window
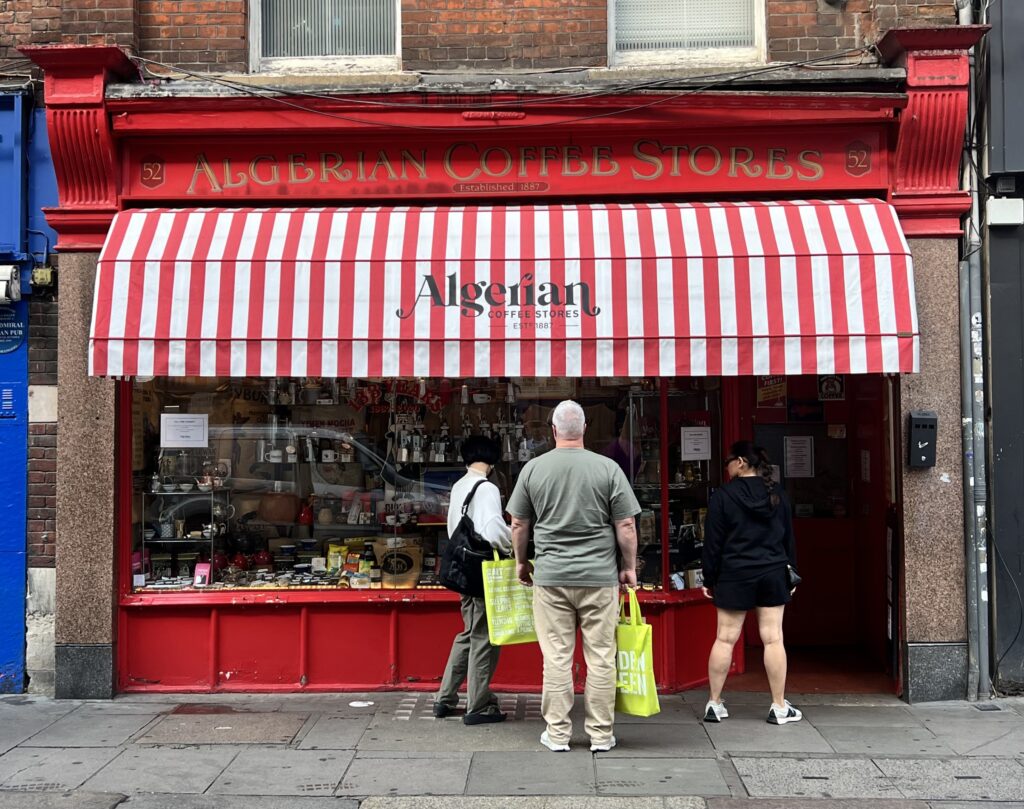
{"points": [[178, 430], [696, 443], [799, 456]]}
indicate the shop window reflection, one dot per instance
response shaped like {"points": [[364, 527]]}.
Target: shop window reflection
{"points": [[341, 484]]}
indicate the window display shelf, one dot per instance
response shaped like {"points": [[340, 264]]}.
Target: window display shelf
{"points": [[239, 596], [672, 487]]}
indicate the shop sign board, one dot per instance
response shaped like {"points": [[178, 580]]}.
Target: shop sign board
{"points": [[832, 388], [771, 391], [510, 164], [13, 328]]}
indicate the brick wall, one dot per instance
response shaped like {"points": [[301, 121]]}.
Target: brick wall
{"points": [[99, 22], [42, 436], [805, 29], [198, 35], [913, 13], [483, 35], [42, 342], [42, 494], [28, 21], [212, 35]]}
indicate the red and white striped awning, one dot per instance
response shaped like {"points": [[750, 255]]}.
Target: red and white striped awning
{"points": [[547, 290]]}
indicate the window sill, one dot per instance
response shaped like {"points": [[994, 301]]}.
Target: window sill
{"points": [[318, 65], [706, 59]]}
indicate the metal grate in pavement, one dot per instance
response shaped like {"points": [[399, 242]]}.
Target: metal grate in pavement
{"points": [[421, 706]]}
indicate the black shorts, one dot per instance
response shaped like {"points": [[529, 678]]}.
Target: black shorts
{"points": [[769, 589]]}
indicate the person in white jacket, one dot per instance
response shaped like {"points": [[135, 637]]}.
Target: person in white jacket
{"points": [[472, 657]]}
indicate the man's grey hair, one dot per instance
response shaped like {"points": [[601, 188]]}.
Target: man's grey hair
{"points": [[569, 419]]}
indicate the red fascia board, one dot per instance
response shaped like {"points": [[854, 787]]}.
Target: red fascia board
{"points": [[178, 115]]}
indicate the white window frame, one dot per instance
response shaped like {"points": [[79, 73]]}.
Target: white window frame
{"points": [[317, 64], [681, 56]]}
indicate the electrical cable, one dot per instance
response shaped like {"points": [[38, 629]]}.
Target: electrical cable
{"points": [[596, 93], [1020, 605], [262, 93]]}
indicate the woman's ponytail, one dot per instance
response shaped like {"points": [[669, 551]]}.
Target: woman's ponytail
{"points": [[765, 469]]}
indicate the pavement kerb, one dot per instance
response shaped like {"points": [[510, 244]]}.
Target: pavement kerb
{"points": [[536, 802]]}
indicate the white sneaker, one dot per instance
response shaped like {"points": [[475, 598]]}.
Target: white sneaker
{"points": [[715, 712], [783, 715], [604, 747], [552, 746]]}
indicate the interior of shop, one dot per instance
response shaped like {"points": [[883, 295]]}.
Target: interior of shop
{"points": [[343, 484], [834, 438], [335, 485]]}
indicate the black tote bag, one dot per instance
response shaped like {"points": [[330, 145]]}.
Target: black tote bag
{"points": [[463, 554]]}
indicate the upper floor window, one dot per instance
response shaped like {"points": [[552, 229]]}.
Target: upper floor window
{"points": [[711, 30], [308, 33]]}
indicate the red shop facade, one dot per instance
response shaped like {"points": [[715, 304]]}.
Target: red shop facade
{"points": [[279, 319]]}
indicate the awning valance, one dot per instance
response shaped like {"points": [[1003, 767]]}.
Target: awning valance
{"points": [[547, 290]]}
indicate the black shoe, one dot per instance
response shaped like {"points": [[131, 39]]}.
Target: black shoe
{"points": [[441, 710], [484, 717]]}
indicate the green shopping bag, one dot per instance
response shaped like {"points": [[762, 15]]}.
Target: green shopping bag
{"points": [[635, 691], [509, 604]]}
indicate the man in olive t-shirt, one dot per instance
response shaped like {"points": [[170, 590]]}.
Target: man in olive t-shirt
{"points": [[582, 510]]}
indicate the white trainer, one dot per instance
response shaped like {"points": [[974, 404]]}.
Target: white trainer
{"points": [[715, 712], [552, 746], [783, 714], [604, 747]]}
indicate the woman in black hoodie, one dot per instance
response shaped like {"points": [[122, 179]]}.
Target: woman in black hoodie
{"points": [[748, 548]]}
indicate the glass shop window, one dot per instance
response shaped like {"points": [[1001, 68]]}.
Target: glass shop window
{"points": [[343, 483]]}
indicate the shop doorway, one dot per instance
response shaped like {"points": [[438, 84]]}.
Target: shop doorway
{"points": [[832, 438]]}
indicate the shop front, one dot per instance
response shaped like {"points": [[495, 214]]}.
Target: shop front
{"points": [[301, 331], [310, 375]]}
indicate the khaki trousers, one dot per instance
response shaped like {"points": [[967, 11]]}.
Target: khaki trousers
{"points": [[556, 613], [472, 659]]}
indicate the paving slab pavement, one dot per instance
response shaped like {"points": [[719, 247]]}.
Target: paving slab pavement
{"points": [[767, 777], [231, 802], [445, 774], [260, 771], [746, 734], [52, 770], [330, 751], [544, 773], [225, 728], [335, 732], [975, 805], [657, 741], [179, 770], [816, 803], [60, 800], [533, 802], [90, 730], [637, 776], [875, 740], [961, 779]]}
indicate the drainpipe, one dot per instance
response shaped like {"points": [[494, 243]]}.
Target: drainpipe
{"points": [[967, 437], [972, 373]]}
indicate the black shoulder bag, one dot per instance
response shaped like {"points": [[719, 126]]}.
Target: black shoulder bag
{"points": [[463, 554]]}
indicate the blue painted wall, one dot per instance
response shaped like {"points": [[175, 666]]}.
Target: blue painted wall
{"points": [[27, 183]]}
